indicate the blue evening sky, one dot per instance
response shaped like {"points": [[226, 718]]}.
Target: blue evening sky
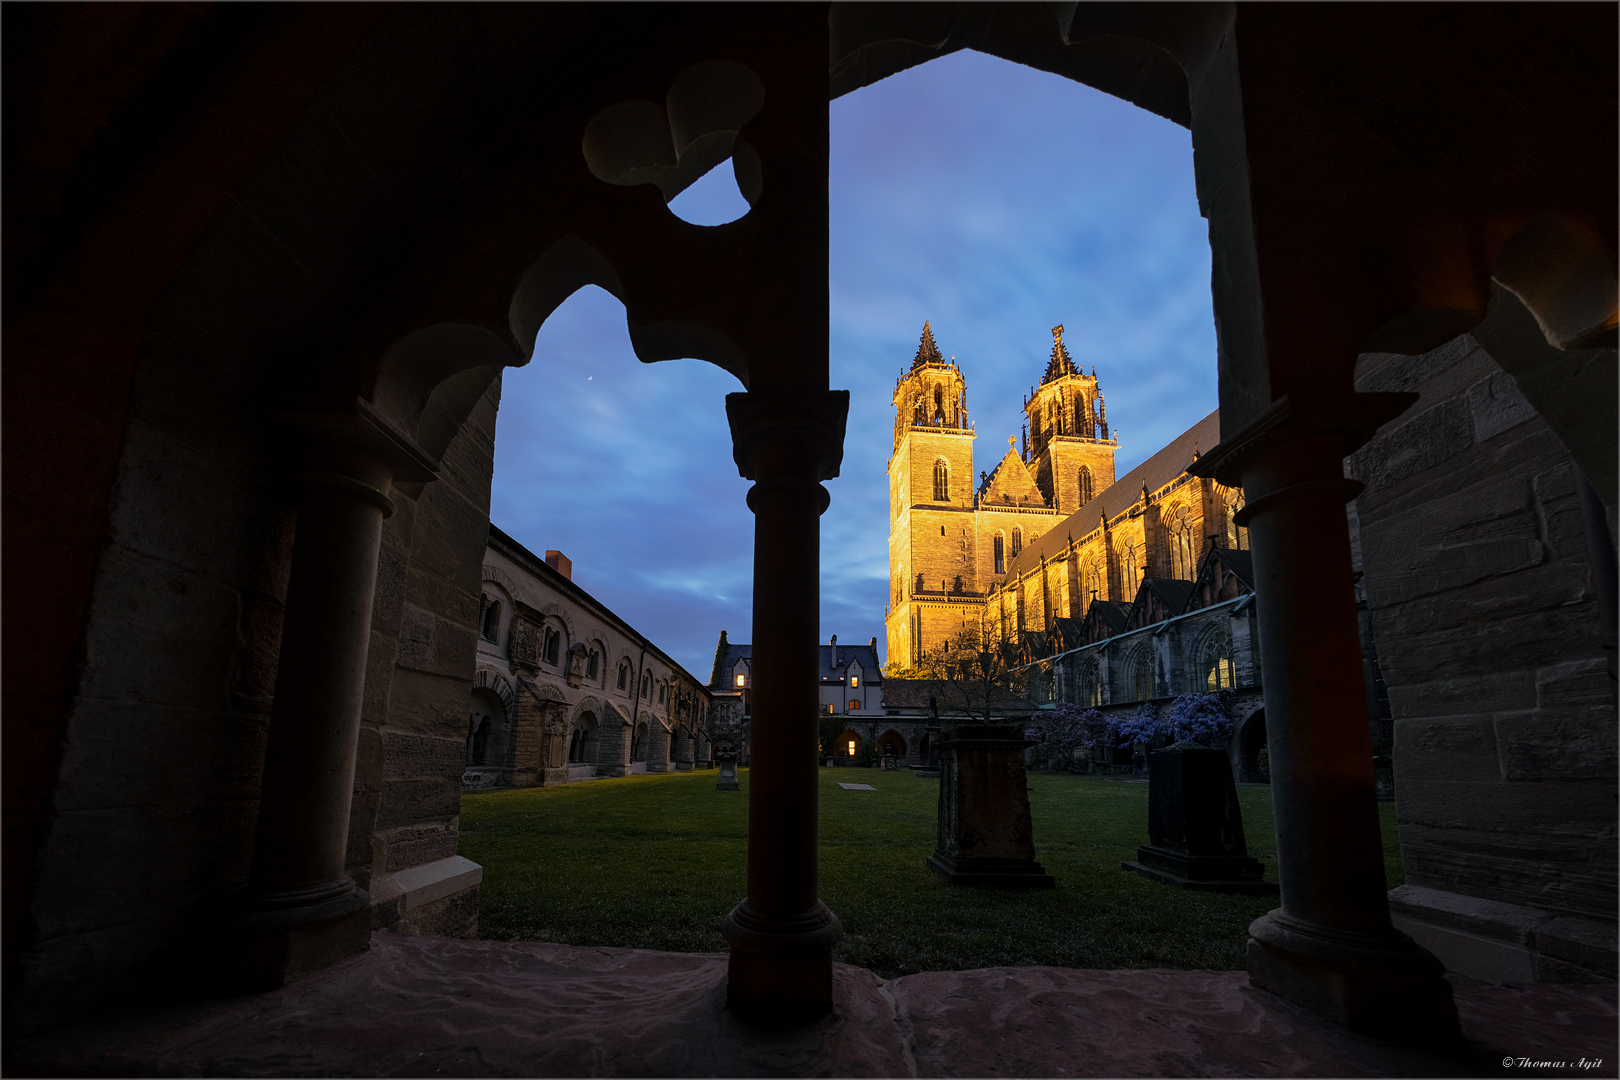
{"points": [[995, 201]]}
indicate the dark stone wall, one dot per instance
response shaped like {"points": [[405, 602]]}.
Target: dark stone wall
{"points": [[424, 640], [1480, 589]]}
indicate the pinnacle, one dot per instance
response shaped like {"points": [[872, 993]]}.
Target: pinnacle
{"points": [[927, 351], [1061, 363]]}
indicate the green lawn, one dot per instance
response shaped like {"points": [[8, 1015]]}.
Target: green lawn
{"points": [[656, 862]]}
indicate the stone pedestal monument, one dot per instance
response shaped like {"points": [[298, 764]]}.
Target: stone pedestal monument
{"points": [[727, 758], [1195, 829], [985, 833]]}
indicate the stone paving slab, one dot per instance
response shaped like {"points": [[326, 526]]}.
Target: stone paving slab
{"points": [[419, 1006]]}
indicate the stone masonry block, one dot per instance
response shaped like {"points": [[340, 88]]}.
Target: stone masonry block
{"points": [[1459, 748], [429, 704], [187, 625], [408, 754], [1420, 444], [1497, 405], [380, 656], [1575, 684], [416, 845], [433, 644], [1503, 690], [1552, 872], [1455, 636], [1573, 807], [419, 800], [1399, 373], [1558, 744], [122, 754]]}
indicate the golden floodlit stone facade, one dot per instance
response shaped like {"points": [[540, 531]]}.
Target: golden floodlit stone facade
{"points": [[1049, 530]]}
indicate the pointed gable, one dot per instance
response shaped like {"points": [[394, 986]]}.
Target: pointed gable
{"points": [[1159, 599], [1104, 619], [1223, 574], [1011, 484]]}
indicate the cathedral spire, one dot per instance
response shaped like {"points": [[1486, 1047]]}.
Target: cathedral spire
{"points": [[1061, 363], [927, 351]]}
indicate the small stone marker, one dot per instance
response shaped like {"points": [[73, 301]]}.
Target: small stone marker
{"points": [[1195, 828], [857, 787]]}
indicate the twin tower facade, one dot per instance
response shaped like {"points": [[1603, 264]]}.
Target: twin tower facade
{"points": [[951, 536]]}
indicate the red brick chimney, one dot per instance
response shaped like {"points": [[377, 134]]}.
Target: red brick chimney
{"points": [[560, 563]]}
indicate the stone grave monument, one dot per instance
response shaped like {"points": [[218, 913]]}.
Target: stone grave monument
{"points": [[1195, 829], [727, 759], [985, 832]]}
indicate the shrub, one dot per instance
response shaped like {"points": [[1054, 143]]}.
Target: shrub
{"points": [[1197, 718], [1059, 732]]}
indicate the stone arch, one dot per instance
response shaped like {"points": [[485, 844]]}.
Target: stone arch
{"points": [[501, 578], [488, 678], [942, 480], [564, 616], [892, 739]]}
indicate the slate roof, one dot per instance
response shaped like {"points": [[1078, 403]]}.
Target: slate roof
{"points": [[1155, 472], [1111, 613], [1173, 593], [829, 668]]}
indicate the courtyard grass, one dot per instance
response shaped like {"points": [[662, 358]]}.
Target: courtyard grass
{"points": [[656, 862]]}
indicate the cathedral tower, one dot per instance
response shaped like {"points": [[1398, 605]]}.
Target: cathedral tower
{"points": [[1071, 455], [931, 500]]}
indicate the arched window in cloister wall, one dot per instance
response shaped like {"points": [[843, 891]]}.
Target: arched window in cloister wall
{"points": [[1141, 674], [1214, 670]]}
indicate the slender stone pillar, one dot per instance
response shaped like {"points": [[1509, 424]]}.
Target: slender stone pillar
{"points": [[1331, 945], [301, 912], [782, 935]]}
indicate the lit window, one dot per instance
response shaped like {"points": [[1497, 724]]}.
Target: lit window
{"points": [[742, 680], [854, 681], [854, 706], [852, 748]]}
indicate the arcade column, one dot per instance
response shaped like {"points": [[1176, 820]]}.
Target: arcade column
{"points": [[782, 935], [1331, 945], [300, 911]]}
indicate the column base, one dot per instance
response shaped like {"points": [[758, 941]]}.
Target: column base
{"points": [[1383, 985], [780, 973], [286, 936], [549, 777]]}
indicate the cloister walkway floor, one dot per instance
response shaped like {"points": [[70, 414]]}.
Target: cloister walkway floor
{"points": [[416, 1006]]}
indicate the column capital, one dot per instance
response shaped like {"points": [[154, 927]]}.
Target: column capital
{"points": [[1354, 418], [813, 422], [360, 425]]}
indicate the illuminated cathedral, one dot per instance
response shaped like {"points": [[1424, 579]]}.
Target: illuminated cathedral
{"points": [[1048, 532]]}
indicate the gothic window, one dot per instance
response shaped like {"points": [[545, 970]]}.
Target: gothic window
{"points": [[592, 665], [1129, 572], [956, 586], [1236, 535], [1142, 675], [1085, 485], [1001, 556], [624, 676], [942, 482], [489, 623], [646, 685], [663, 692], [1215, 663], [1017, 541], [1183, 545], [553, 645], [1090, 685]]}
